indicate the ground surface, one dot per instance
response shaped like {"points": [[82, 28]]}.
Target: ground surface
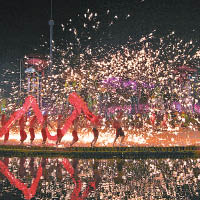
{"points": [[167, 138]]}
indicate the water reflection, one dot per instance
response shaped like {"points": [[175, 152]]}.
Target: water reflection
{"points": [[77, 179]]}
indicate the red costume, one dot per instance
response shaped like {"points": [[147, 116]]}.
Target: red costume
{"points": [[31, 129], [59, 134], [3, 122], [153, 119], [44, 134], [44, 127], [32, 133], [23, 134], [75, 136], [165, 118]]}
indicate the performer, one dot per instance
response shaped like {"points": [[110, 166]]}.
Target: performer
{"points": [[31, 128], [165, 120], [3, 122], [74, 132], [117, 126], [96, 135], [23, 134], [153, 119], [59, 132], [138, 121], [44, 127], [174, 119]]}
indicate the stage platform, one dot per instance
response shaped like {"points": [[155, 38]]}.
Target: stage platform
{"points": [[100, 152]]}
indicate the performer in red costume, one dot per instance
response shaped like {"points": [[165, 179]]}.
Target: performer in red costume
{"points": [[44, 127], [74, 132], [96, 135], [3, 122], [31, 128], [23, 134], [117, 126], [95, 131], [153, 119], [165, 120], [59, 132]]}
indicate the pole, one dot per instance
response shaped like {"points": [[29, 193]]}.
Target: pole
{"points": [[29, 81], [20, 77], [38, 89], [41, 93], [51, 24]]}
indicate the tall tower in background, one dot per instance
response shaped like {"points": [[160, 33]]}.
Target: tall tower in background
{"points": [[51, 24]]}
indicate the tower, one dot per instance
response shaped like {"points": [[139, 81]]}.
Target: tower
{"points": [[51, 24]]}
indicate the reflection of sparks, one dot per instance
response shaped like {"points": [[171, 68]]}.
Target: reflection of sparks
{"points": [[151, 175]]}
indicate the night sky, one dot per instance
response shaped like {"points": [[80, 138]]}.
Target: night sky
{"points": [[22, 22]]}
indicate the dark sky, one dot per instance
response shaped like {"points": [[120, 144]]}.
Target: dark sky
{"points": [[22, 22]]}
